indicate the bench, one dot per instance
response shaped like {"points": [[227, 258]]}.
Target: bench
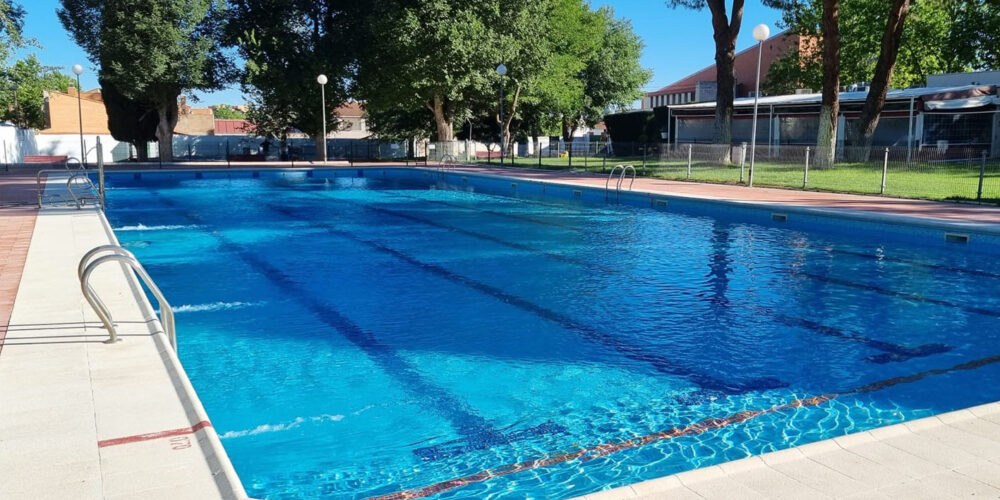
{"points": [[45, 159], [243, 157]]}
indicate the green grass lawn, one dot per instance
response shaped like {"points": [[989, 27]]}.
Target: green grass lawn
{"points": [[913, 180]]}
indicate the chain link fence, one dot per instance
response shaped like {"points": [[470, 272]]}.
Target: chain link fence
{"points": [[936, 172]]}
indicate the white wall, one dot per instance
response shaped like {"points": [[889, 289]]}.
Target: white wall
{"points": [[69, 145]]}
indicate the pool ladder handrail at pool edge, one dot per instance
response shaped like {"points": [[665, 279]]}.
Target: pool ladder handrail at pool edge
{"points": [[115, 253], [621, 180]]}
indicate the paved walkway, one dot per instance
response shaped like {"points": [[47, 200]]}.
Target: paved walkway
{"points": [[79, 418]]}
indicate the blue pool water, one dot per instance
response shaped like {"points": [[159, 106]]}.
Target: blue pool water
{"points": [[361, 333]]}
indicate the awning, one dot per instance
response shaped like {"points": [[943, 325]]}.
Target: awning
{"points": [[969, 103]]}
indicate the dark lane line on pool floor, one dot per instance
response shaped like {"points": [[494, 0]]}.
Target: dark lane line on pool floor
{"points": [[892, 352], [895, 293], [636, 353], [476, 431], [697, 428], [824, 249]]}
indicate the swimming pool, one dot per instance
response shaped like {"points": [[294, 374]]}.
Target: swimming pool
{"points": [[357, 333]]}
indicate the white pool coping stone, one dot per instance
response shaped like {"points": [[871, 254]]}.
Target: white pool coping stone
{"points": [[63, 391], [951, 455]]}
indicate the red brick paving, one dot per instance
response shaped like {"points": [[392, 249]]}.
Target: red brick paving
{"points": [[16, 227]]}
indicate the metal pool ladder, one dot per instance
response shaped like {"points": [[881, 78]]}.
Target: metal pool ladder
{"points": [[621, 179], [447, 163], [114, 253]]}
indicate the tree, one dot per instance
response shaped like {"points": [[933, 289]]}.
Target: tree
{"points": [[287, 44], [593, 68], [227, 112], [441, 55], [22, 97], [725, 29], [864, 131], [130, 121], [152, 50], [826, 141], [11, 30]]}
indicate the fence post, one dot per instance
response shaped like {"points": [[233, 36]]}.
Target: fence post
{"points": [[743, 160], [885, 170], [805, 173], [569, 154], [227, 154], [645, 148], [690, 146], [604, 161], [538, 146], [982, 173], [100, 171]]}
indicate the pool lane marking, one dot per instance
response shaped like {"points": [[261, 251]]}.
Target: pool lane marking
{"points": [[464, 420], [636, 353], [607, 269], [700, 427], [895, 352], [154, 435], [864, 255], [895, 293]]}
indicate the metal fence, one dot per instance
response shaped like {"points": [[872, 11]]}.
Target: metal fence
{"points": [[939, 173]]}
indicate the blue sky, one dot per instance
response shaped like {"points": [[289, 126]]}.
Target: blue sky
{"points": [[678, 41]]}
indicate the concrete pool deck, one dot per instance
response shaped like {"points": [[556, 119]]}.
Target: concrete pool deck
{"points": [[79, 418], [84, 419]]}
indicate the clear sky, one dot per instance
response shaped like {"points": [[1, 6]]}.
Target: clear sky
{"points": [[678, 41]]}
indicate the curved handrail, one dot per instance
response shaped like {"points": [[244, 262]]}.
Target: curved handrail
{"points": [[446, 161], [99, 307], [38, 181], [69, 187], [621, 179], [124, 256], [607, 184], [77, 160]]}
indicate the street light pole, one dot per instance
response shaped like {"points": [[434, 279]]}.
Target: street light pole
{"points": [[760, 33], [78, 70], [502, 70], [321, 79]]}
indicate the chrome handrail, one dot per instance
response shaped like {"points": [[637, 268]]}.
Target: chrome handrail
{"points": [[446, 162], [122, 255], [80, 202], [38, 181], [607, 184], [621, 179], [77, 160]]}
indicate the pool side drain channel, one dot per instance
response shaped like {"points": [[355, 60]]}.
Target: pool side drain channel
{"points": [[956, 238], [661, 203], [779, 217], [577, 192]]}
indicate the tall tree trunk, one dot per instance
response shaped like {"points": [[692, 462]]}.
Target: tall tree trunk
{"points": [[826, 140], [863, 133], [568, 128], [167, 111], [509, 117], [141, 150], [725, 30], [445, 128]]}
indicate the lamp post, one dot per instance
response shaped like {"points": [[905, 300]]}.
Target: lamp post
{"points": [[502, 70], [321, 79], [760, 33], [78, 70]]}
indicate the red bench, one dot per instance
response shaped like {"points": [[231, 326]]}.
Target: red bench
{"points": [[46, 159]]}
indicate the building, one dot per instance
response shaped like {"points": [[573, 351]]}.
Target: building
{"points": [[942, 121], [701, 86]]}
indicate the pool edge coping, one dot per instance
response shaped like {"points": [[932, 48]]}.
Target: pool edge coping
{"points": [[215, 455]]}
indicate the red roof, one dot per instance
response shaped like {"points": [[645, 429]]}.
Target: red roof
{"points": [[744, 65], [233, 127]]}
